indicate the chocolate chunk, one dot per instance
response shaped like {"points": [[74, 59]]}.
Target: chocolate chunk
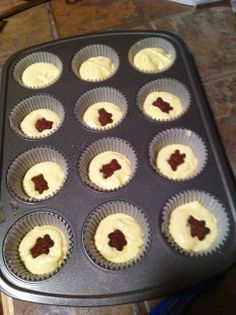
{"points": [[176, 159], [164, 106], [110, 168], [42, 124], [198, 228], [104, 117], [42, 246], [117, 240], [40, 184]]}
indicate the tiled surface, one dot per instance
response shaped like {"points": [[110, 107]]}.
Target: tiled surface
{"points": [[23, 31], [90, 16], [156, 9], [38, 309], [210, 35]]}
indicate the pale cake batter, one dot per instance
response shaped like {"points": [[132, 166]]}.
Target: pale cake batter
{"points": [[40, 74], [52, 173], [155, 112], [44, 263], [119, 177], [152, 59], [28, 124], [184, 170], [179, 228], [91, 115], [96, 69], [132, 232]]}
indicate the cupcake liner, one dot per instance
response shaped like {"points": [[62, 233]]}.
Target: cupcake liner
{"points": [[26, 106], [18, 231], [209, 202], [171, 86], [94, 51], [24, 162], [27, 61], [102, 145], [103, 94], [152, 42], [178, 136], [101, 213]]}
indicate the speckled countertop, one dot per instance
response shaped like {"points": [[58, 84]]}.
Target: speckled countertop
{"points": [[210, 34]]}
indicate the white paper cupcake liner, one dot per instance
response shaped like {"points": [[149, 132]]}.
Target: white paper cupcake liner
{"points": [[103, 145], [26, 106], [25, 161], [153, 42], [209, 202], [178, 136], [94, 51], [101, 213], [171, 86], [27, 61], [102, 94], [18, 231]]}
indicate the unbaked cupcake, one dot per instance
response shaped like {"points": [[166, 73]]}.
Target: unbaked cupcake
{"points": [[101, 109], [195, 223], [38, 70], [152, 55], [38, 245], [37, 117], [116, 235], [108, 164], [163, 99], [177, 154], [95, 63], [37, 174]]}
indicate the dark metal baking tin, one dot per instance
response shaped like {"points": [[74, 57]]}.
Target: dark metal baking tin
{"points": [[162, 271]]}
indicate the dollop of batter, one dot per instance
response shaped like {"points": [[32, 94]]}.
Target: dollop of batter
{"points": [[96, 68], [52, 173], [91, 115], [118, 178], [43, 263], [40, 74], [152, 59], [28, 124], [155, 112], [183, 170], [132, 232], [180, 229]]}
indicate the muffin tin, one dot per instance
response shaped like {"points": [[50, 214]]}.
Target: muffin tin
{"points": [[162, 269]]}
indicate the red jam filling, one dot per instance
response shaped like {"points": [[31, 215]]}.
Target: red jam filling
{"points": [[40, 184], [104, 117], [198, 228], [117, 240], [42, 124], [162, 105], [176, 159], [42, 246], [110, 168]]}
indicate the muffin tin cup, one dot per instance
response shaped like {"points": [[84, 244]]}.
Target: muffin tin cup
{"points": [[102, 94], [18, 231], [94, 51], [178, 136], [36, 57], [207, 201], [101, 213], [25, 161], [26, 106], [171, 86], [153, 42], [103, 145]]}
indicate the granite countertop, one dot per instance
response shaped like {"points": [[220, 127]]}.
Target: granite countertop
{"points": [[210, 34]]}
